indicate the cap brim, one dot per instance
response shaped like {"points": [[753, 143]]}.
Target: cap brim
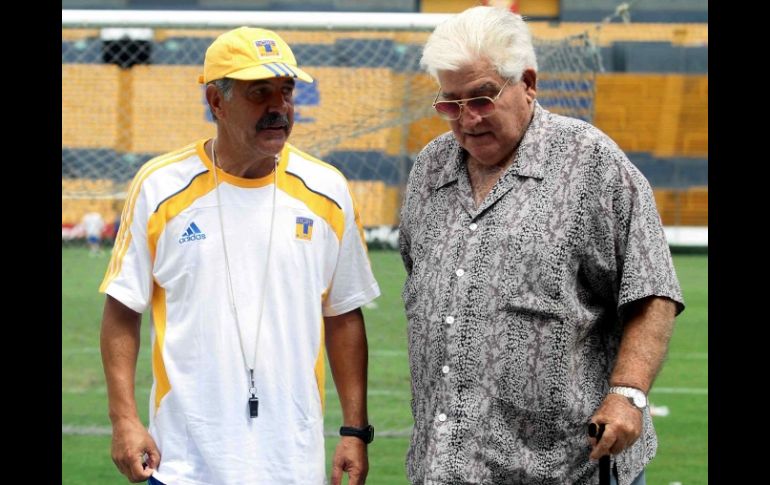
{"points": [[271, 70]]}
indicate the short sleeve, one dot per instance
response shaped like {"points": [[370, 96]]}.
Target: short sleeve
{"points": [[129, 275], [353, 284], [644, 262]]}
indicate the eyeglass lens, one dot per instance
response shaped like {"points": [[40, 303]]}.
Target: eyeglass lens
{"points": [[481, 106]]}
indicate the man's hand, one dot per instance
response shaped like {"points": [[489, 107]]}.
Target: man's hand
{"points": [[130, 443], [623, 425], [350, 456]]}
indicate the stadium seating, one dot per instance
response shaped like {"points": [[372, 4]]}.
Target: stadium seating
{"points": [[90, 105], [652, 99], [665, 114], [163, 93], [688, 207], [377, 203], [647, 11]]}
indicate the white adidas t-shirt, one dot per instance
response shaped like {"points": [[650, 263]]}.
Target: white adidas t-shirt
{"points": [[168, 256]]}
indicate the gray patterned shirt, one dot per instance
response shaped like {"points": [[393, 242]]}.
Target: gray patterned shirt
{"points": [[514, 307]]}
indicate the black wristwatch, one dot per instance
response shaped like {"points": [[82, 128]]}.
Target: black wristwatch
{"points": [[366, 434]]}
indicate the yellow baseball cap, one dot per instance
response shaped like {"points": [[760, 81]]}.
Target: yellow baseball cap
{"points": [[248, 54]]}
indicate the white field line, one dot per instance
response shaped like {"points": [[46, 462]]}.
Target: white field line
{"points": [[102, 390], [689, 355], [143, 351], [388, 353], [146, 351], [73, 430], [69, 429], [392, 433], [407, 393], [679, 390]]}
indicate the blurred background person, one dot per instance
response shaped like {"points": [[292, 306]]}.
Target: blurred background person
{"points": [[93, 224]]}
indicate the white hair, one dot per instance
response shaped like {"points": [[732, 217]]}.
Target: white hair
{"points": [[491, 33], [225, 86]]}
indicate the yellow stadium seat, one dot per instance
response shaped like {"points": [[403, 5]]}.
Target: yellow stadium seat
{"points": [[378, 204], [664, 114], [168, 109], [91, 116]]}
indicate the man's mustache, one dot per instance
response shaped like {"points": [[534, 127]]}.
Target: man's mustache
{"points": [[273, 120]]}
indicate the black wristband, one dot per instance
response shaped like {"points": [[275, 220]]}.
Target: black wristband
{"points": [[365, 434]]}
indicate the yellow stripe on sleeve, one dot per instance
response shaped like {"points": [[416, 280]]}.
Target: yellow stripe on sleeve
{"points": [[320, 369], [162, 384], [123, 238]]}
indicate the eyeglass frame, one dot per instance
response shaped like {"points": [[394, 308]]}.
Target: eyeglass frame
{"points": [[463, 102]]}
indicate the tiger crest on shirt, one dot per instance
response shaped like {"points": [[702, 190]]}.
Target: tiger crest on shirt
{"points": [[304, 228]]}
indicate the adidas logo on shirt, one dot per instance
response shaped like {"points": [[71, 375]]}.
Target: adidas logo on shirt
{"points": [[191, 234]]}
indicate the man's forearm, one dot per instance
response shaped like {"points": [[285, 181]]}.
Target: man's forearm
{"points": [[348, 359], [644, 344], [120, 342]]}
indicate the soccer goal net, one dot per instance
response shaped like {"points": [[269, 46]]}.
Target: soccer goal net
{"points": [[130, 92]]}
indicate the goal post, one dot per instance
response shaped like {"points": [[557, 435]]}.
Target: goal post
{"points": [[130, 92]]}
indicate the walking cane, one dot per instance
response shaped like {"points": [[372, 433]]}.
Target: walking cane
{"points": [[595, 431]]}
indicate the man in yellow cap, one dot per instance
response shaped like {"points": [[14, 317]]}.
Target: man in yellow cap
{"points": [[250, 257]]}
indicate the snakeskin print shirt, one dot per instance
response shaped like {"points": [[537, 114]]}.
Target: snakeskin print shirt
{"points": [[514, 307]]}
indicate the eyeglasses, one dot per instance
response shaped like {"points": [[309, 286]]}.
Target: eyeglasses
{"points": [[482, 105]]}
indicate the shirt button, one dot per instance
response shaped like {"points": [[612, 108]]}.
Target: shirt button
{"points": [[442, 417], [445, 369], [473, 226], [450, 320], [460, 272]]}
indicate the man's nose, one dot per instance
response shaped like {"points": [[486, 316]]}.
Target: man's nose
{"points": [[468, 117], [277, 102]]}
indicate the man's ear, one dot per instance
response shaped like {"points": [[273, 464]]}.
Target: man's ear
{"points": [[529, 76], [214, 98]]}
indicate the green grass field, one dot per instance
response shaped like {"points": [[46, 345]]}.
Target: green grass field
{"points": [[682, 386]]}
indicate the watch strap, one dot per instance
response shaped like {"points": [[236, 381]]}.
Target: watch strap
{"points": [[365, 434], [635, 396]]}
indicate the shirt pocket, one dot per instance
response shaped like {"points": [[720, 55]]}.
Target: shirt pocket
{"points": [[532, 275], [531, 325], [529, 372]]}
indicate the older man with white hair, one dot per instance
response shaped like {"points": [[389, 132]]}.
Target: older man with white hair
{"points": [[540, 292]]}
